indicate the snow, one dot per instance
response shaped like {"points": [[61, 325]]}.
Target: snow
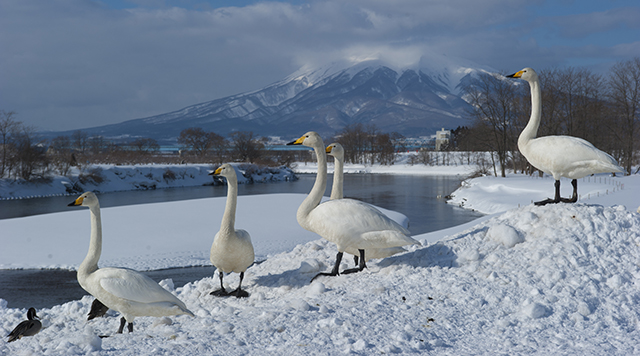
{"points": [[553, 280]]}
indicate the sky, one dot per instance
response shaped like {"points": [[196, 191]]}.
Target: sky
{"points": [[73, 64]]}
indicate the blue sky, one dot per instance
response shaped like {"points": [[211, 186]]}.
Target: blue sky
{"points": [[72, 64]]}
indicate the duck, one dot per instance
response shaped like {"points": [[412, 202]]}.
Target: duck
{"points": [[97, 310], [337, 192], [345, 222], [124, 290], [559, 156], [29, 327], [232, 250]]}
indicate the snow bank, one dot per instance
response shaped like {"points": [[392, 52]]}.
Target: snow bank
{"points": [[110, 178], [490, 195], [566, 285]]}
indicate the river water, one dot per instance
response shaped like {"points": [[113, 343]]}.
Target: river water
{"points": [[414, 196]]}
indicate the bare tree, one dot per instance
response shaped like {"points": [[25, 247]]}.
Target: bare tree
{"points": [[246, 147], [8, 126], [61, 154], [624, 86], [493, 99], [199, 141], [145, 146]]}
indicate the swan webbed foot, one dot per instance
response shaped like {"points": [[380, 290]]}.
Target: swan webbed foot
{"points": [[324, 274], [361, 265], [545, 202], [220, 293], [334, 271], [239, 293]]}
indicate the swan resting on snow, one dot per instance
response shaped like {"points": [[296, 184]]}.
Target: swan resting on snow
{"points": [[337, 151], [127, 291], [232, 250], [346, 222], [559, 156], [29, 327]]}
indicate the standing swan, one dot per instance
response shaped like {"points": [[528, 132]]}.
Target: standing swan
{"points": [[347, 223], [28, 327], [559, 156], [232, 250], [130, 292], [337, 151]]}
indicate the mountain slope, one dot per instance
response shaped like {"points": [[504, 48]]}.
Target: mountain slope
{"points": [[414, 101]]}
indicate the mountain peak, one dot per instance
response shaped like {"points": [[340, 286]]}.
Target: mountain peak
{"points": [[413, 98]]}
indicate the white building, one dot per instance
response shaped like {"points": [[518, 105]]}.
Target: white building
{"points": [[442, 138]]}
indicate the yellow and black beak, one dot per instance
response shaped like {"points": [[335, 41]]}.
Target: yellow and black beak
{"points": [[216, 172], [77, 202], [297, 142], [329, 149], [516, 74]]}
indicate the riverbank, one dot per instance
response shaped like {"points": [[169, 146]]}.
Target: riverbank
{"points": [[112, 178]]}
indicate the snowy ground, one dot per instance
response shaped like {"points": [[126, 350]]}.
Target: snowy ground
{"points": [[554, 280]]}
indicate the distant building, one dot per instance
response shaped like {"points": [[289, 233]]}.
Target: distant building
{"points": [[442, 138]]}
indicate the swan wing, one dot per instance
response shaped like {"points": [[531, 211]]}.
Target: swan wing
{"points": [[568, 156], [134, 286], [348, 222]]}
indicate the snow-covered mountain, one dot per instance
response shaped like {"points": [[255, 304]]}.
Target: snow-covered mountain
{"points": [[413, 100]]}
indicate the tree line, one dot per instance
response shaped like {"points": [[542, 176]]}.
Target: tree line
{"points": [[25, 155]]}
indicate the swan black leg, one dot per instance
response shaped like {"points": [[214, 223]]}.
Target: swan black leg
{"points": [[555, 200], [362, 265], [220, 292], [336, 267], [574, 197], [130, 327], [239, 292], [122, 321]]}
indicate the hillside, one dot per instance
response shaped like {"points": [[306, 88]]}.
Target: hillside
{"points": [[413, 100]]}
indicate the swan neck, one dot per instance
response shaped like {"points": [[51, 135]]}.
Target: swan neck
{"points": [[531, 130], [338, 179], [90, 263], [229, 216], [320, 185]]}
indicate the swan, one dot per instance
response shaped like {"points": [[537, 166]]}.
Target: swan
{"points": [[127, 291], [97, 310], [345, 222], [232, 250], [337, 152], [559, 156], [28, 327]]}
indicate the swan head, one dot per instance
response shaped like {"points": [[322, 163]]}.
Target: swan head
{"points": [[226, 170], [336, 150], [310, 139], [527, 74], [86, 199]]}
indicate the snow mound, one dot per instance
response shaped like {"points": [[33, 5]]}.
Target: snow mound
{"points": [[558, 279]]}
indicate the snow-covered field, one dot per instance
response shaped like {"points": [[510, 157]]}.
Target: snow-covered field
{"points": [[553, 280]]}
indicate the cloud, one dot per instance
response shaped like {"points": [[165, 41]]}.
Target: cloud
{"points": [[68, 64]]}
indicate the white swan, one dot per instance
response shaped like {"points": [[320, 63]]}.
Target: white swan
{"points": [[347, 223], [130, 292], [29, 327], [337, 151], [559, 156], [232, 250]]}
